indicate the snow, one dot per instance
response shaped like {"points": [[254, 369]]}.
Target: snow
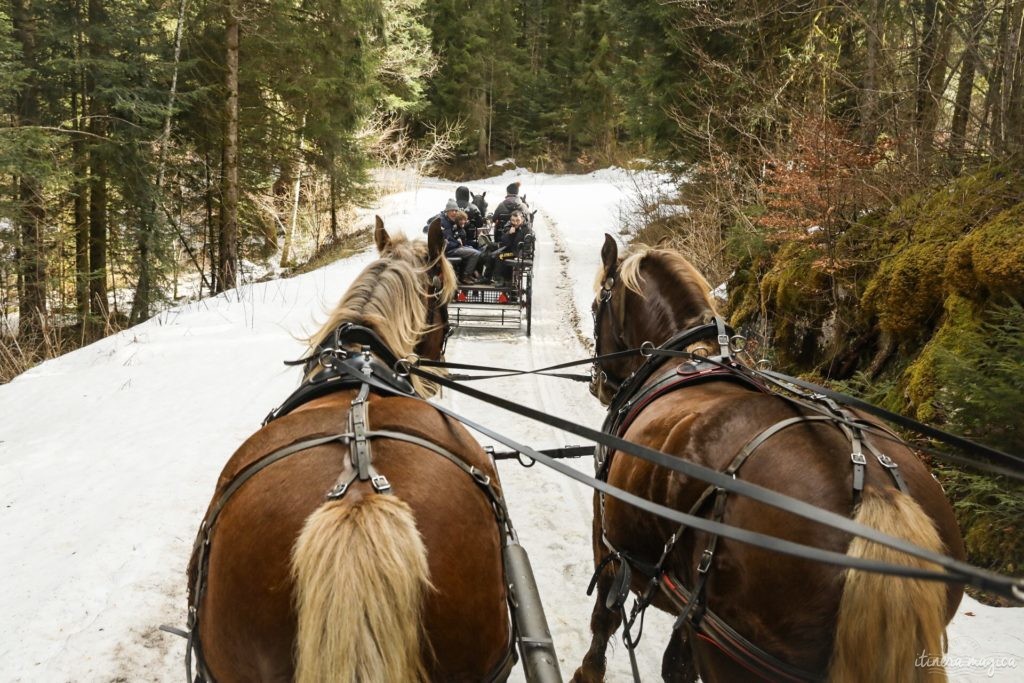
{"points": [[109, 455]]}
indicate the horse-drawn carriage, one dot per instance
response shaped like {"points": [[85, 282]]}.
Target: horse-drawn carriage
{"points": [[500, 305]]}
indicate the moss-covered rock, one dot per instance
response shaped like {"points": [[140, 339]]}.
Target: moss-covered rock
{"points": [[943, 240], [797, 297], [990, 260], [924, 379], [911, 301]]}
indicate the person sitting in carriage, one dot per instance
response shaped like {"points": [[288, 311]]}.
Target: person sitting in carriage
{"points": [[457, 245], [464, 199], [509, 245], [512, 202]]}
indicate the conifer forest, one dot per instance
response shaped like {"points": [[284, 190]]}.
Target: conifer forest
{"points": [[854, 170]]}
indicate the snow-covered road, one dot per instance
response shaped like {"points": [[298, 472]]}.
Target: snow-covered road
{"points": [[108, 456]]}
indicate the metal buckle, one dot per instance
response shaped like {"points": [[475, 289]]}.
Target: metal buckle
{"points": [[886, 461], [858, 458], [705, 561], [338, 491], [380, 483], [480, 477], [647, 349], [723, 340]]}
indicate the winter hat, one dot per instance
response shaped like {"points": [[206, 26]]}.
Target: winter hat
{"points": [[452, 205], [462, 196], [513, 188]]}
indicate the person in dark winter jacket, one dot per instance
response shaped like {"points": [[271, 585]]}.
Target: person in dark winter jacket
{"points": [[495, 262], [512, 202], [453, 222], [476, 219]]}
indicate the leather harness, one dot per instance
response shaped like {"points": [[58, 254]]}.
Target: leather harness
{"points": [[637, 392], [340, 369]]}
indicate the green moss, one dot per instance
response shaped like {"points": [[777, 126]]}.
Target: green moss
{"points": [[923, 380], [954, 240], [990, 260], [796, 294]]}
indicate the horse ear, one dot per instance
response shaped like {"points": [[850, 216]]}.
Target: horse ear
{"points": [[435, 239], [609, 253], [484, 194], [381, 236]]}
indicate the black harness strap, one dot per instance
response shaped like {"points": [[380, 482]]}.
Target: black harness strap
{"points": [[341, 369], [720, 634], [958, 572]]}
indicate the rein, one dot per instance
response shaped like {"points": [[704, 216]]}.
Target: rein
{"points": [[958, 572]]}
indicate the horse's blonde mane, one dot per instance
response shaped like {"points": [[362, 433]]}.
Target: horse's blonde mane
{"points": [[389, 297], [674, 262]]}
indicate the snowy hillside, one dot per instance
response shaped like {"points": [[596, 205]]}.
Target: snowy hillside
{"points": [[109, 455]]}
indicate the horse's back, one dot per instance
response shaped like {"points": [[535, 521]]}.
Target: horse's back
{"points": [[248, 622], [785, 605]]}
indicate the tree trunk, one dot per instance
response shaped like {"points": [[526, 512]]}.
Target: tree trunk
{"points": [[482, 125], [289, 233], [32, 214], [228, 257], [334, 202], [211, 241], [98, 177], [148, 229], [873, 32], [80, 188], [997, 78], [1013, 106], [965, 85], [931, 72]]}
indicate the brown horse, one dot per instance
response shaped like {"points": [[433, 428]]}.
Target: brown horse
{"points": [[371, 585], [806, 620]]}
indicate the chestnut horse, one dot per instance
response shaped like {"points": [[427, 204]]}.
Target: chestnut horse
{"points": [[395, 578], [806, 620]]}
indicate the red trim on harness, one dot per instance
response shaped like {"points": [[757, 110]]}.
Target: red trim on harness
{"points": [[742, 651]]}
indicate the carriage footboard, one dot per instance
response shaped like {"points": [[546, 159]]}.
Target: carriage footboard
{"points": [[537, 649]]}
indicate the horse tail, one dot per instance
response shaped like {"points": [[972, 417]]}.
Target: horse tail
{"points": [[889, 627], [361, 574]]}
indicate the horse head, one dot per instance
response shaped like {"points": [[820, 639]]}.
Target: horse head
{"points": [[645, 295], [481, 203], [402, 296]]}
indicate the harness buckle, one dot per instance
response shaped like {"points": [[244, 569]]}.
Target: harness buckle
{"points": [[338, 491], [479, 476], [886, 461], [380, 483], [705, 561], [647, 349], [858, 458]]}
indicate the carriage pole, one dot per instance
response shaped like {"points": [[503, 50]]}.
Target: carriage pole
{"points": [[540, 663]]}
